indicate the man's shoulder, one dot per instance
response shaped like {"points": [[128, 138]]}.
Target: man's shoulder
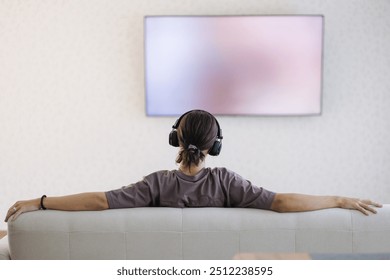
{"points": [[221, 171], [161, 173]]}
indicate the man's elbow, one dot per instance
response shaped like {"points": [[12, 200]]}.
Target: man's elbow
{"points": [[98, 201], [102, 201], [282, 204], [277, 204]]}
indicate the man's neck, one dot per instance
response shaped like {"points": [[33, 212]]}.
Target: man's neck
{"points": [[192, 170]]}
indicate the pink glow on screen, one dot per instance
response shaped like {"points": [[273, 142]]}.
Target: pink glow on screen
{"points": [[241, 65]]}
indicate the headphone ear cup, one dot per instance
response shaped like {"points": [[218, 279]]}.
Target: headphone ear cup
{"points": [[216, 148], [173, 139]]}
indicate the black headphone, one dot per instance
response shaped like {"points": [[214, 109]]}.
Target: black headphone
{"points": [[214, 150]]}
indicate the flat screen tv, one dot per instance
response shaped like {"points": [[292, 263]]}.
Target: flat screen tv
{"points": [[234, 65]]}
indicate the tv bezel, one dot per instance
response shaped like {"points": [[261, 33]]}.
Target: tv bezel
{"points": [[240, 114]]}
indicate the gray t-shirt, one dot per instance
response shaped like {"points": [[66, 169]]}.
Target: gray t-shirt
{"points": [[217, 187]]}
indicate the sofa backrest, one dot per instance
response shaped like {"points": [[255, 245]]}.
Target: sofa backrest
{"points": [[194, 233]]}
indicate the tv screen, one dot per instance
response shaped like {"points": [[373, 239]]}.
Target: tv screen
{"points": [[233, 65]]}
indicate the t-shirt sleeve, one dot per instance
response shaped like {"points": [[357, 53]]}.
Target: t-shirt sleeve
{"points": [[242, 193], [140, 194]]}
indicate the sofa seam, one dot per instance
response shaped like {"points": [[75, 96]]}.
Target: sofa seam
{"points": [[69, 247], [181, 235], [352, 232], [126, 245]]}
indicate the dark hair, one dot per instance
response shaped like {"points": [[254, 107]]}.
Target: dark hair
{"points": [[197, 132]]}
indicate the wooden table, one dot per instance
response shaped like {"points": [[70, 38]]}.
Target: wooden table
{"points": [[272, 256], [2, 233], [313, 256]]}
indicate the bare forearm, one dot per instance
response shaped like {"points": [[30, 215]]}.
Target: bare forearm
{"points": [[289, 202], [77, 202]]}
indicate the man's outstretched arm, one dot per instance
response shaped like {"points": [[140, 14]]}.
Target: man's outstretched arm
{"points": [[290, 202], [77, 202]]}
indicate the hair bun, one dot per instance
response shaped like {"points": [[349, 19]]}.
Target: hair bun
{"points": [[193, 149]]}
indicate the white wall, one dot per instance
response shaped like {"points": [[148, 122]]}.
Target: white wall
{"points": [[72, 102]]}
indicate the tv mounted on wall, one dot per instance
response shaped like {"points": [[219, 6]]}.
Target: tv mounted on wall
{"points": [[268, 65]]}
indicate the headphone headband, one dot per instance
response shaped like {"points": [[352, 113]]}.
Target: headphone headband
{"points": [[177, 122], [217, 146]]}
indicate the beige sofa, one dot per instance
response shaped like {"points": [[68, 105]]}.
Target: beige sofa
{"points": [[193, 233], [4, 252]]}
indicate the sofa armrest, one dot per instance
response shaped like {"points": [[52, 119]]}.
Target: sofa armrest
{"points": [[4, 250]]}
